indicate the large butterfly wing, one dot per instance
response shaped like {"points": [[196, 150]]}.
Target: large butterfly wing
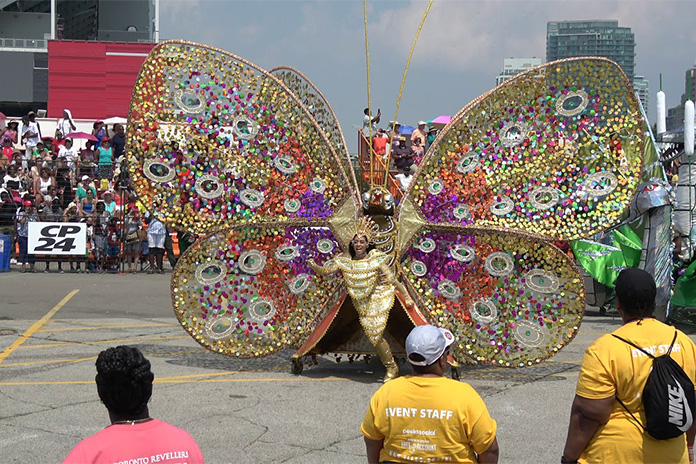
{"points": [[320, 109], [556, 151], [214, 140], [552, 154], [511, 299], [248, 292]]}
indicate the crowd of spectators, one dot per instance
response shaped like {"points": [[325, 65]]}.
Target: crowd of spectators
{"points": [[47, 179], [405, 148]]}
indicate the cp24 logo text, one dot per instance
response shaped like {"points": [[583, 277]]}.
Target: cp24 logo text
{"points": [[57, 238]]}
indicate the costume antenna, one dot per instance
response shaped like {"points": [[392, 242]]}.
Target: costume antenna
{"points": [[369, 101], [401, 89]]}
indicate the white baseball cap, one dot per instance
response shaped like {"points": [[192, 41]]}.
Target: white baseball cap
{"points": [[422, 123], [428, 341]]}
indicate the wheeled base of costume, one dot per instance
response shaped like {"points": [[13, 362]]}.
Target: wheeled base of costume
{"points": [[340, 332]]}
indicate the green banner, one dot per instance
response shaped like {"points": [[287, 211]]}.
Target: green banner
{"points": [[685, 288], [605, 262]]}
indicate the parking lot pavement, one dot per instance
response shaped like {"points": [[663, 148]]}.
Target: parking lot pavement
{"points": [[53, 326]]}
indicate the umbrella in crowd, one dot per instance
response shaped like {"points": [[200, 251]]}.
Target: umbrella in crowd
{"points": [[406, 130], [81, 135], [439, 122]]}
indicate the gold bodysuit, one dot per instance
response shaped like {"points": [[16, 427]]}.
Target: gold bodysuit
{"points": [[371, 286]]}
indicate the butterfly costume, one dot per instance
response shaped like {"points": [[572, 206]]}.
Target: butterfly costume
{"points": [[254, 161]]}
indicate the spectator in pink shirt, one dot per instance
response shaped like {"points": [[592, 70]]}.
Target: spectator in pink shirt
{"points": [[124, 384], [7, 153], [11, 132]]}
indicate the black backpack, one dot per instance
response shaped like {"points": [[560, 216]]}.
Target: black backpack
{"points": [[668, 396]]}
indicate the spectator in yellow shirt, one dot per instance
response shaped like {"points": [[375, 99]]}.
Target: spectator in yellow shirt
{"points": [[601, 430], [426, 417]]}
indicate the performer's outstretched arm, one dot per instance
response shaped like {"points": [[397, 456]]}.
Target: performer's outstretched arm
{"points": [[386, 271], [400, 287], [329, 268], [390, 277]]}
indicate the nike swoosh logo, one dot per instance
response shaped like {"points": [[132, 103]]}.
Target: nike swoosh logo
{"points": [[687, 410]]}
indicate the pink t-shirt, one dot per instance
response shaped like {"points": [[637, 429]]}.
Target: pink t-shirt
{"points": [[148, 442]]}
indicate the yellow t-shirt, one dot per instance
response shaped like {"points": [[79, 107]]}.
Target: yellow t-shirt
{"points": [[610, 367], [429, 419]]}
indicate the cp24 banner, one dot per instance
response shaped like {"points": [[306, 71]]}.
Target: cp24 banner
{"points": [[57, 238]]}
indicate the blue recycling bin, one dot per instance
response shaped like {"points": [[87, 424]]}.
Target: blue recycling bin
{"points": [[5, 252]]}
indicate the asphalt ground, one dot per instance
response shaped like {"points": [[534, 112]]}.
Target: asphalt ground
{"points": [[52, 326]]}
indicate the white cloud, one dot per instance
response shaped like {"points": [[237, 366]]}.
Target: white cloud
{"points": [[459, 53], [460, 35], [181, 14]]}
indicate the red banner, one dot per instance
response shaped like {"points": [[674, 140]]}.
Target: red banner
{"points": [[94, 80]]}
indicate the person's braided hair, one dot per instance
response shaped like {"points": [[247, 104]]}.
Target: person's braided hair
{"points": [[124, 380]]}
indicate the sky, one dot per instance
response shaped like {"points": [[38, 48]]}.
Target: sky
{"points": [[459, 53]]}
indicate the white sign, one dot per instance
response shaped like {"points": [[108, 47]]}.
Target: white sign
{"points": [[57, 238]]}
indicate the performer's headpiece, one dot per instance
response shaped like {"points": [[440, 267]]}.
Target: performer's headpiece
{"points": [[366, 227]]}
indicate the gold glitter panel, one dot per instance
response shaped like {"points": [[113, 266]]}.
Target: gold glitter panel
{"points": [[556, 151], [214, 140], [511, 300], [249, 292], [321, 111]]}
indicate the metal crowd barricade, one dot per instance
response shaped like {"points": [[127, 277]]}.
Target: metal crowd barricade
{"points": [[375, 176]]}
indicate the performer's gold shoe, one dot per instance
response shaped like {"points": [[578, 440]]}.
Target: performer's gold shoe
{"points": [[385, 355], [392, 371]]}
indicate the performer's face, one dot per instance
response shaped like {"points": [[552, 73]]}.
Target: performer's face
{"points": [[360, 245]]}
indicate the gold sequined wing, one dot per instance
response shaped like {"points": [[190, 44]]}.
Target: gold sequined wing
{"points": [[320, 109], [249, 292], [511, 299], [214, 140], [555, 151]]}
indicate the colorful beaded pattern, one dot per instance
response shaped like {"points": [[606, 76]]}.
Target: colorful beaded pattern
{"points": [[249, 292], [556, 151], [214, 140], [512, 300]]}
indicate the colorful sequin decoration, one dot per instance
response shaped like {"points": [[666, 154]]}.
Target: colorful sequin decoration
{"points": [[214, 140], [249, 292], [256, 161], [321, 111], [512, 300], [556, 151]]}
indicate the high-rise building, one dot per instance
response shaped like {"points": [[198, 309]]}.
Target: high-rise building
{"points": [[567, 39], [512, 66], [675, 115], [26, 27], [642, 88]]}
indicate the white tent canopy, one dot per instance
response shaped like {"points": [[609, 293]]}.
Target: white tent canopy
{"points": [[115, 120]]}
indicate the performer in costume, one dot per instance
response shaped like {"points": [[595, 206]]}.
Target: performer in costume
{"points": [[472, 237], [370, 283]]}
